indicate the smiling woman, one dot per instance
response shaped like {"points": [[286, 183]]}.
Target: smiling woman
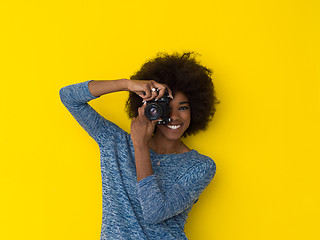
{"points": [[181, 73], [180, 115], [151, 179]]}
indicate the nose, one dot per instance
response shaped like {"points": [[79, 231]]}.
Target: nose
{"points": [[174, 114]]}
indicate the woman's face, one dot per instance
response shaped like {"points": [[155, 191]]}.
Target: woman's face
{"points": [[180, 114]]}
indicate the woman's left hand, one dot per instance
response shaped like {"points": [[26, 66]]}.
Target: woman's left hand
{"points": [[142, 128]]}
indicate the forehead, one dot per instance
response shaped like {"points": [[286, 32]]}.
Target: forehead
{"points": [[179, 97]]}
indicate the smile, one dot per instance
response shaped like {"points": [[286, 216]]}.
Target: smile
{"points": [[173, 126]]}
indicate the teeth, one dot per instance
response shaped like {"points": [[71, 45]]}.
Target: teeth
{"points": [[173, 126]]}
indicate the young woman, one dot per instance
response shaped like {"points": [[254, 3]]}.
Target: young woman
{"points": [[150, 178]]}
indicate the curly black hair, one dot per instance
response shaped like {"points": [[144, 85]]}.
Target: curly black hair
{"points": [[183, 73]]}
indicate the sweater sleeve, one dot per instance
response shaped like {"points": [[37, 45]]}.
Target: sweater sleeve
{"points": [[158, 206], [75, 98]]}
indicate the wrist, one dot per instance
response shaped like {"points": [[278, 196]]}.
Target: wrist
{"points": [[141, 147], [132, 85], [142, 161], [125, 84]]}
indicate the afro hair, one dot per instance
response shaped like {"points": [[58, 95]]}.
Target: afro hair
{"points": [[181, 73]]}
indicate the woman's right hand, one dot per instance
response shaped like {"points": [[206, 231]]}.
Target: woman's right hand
{"points": [[146, 89]]}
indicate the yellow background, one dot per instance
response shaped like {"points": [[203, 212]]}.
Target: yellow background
{"points": [[264, 137]]}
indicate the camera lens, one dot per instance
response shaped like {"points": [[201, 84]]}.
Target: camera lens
{"points": [[153, 111]]}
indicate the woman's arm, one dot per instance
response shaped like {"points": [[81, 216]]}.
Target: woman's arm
{"points": [[98, 88], [158, 205], [141, 134], [75, 97], [140, 87]]}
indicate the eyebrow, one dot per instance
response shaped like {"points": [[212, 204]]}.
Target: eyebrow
{"points": [[183, 102]]}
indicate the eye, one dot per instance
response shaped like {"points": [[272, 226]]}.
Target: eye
{"points": [[184, 108]]}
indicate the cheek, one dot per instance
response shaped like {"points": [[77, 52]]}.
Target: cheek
{"points": [[188, 124], [187, 118]]}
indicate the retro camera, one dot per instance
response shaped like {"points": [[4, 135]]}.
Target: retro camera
{"points": [[156, 109]]}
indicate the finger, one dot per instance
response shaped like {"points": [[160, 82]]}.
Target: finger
{"points": [[141, 109], [141, 94], [147, 94], [163, 88], [153, 91], [170, 92], [154, 94], [161, 93]]}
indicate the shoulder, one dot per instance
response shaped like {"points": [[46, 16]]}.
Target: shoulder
{"points": [[201, 168], [202, 161]]}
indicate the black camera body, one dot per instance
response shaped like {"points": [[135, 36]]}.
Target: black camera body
{"points": [[160, 108]]}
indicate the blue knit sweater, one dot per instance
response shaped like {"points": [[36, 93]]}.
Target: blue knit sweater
{"points": [[157, 206]]}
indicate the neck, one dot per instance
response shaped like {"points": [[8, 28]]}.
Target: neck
{"points": [[167, 146]]}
